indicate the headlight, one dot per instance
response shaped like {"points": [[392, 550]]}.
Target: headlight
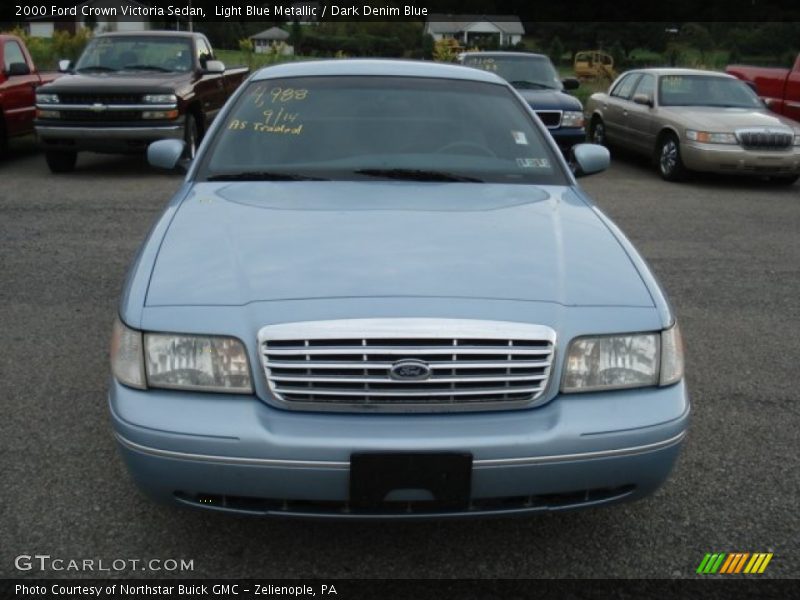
{"points": [[182, 362], [195, 362], [127, 360], [572, 118], [623, 361], [160, 99], [707, 137], [46, 98]]}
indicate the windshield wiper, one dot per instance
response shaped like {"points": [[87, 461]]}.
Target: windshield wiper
{"points": [[98, 68], [417, 175], [536, 84], [263, 176], [146, 68]]}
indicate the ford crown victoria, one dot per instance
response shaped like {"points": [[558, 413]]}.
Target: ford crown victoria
{"points": [[380, 293], [689, 120]]}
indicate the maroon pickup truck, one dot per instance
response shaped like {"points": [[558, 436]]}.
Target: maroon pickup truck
{"points": [[18, 82], [130, 89], [779, 88]]}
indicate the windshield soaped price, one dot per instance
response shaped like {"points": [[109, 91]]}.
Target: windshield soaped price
{"points": [[277, 95]]}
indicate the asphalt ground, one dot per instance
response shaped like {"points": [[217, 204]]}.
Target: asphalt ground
{"points": [[727, 251]]}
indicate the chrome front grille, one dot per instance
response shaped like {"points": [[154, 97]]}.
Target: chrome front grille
{"points": [[765, 139], [550, 118], [407, 364]]}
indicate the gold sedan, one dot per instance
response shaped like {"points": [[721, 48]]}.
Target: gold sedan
{"points": [[691, 120]]}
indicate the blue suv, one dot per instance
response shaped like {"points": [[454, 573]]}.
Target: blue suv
{"points": [[536, 79]]}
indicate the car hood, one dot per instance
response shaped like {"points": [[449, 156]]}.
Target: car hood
{"points": [[710, 118], [550, 100], [128, 81], [236, 243]]}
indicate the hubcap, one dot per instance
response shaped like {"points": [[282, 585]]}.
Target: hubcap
{"points": [[669, 156]]}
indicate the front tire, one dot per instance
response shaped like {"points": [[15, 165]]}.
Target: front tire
{"points": [[597, 132], [60, 161], [670, 163]]}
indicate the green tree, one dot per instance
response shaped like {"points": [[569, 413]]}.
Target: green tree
{"points": [[556, 51], [296, 36], [697, 37]]}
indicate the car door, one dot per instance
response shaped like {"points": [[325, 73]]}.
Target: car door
{"points": [[640, 118], [19, 92], [615, 109]]}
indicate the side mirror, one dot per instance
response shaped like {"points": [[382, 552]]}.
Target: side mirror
{"points": [[18, 68], [165, 154], [214, 66], [587, 159], [64, 65], [570, 83], [644, 99]]}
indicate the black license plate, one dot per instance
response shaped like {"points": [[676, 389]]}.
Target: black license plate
{"points": [[446, 475]]}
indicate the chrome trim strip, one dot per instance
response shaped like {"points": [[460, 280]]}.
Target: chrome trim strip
{"points": [[110, 133], [329, 464], [232, 460], [534, 460], [406, 328], [100, 108]]}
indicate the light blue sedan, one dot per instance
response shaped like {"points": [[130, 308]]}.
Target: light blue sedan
{"points": [[380, 293]]}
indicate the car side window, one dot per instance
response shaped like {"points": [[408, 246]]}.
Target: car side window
{"points": [[647, 86], [13, 54], [624, 88]]}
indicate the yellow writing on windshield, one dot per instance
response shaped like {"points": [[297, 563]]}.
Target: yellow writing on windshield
{"points": [[277, 95]]}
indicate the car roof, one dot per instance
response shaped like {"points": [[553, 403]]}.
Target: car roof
{"points": [[661, 71], [151, 33], [376, 67]]}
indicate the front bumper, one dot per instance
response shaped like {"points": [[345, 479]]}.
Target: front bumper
{"points": [[721, 158], [567, 137], [123, 138], [238, 454]]}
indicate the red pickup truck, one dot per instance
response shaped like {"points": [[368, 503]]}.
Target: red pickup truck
{"points": [[18, 82], [779, 88]]}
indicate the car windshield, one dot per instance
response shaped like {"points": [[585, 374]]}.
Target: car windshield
{"points": [[136, 53], [370, 127], [525, 72], [706, 90]]}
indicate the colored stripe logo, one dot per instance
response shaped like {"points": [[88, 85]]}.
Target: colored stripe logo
{"points": [[734, 563]]}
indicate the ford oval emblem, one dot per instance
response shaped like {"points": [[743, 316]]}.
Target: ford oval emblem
{"points": [[410, 370]]}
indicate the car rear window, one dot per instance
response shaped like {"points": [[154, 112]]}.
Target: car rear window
{"points": [[336, 127]]}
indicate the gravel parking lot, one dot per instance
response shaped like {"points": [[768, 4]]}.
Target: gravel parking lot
{"points": [[726, 250]]}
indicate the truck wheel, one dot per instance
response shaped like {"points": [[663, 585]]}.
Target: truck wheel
{"points": [[670, 164], [60, 161], [191, 135], [597, 132]]}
